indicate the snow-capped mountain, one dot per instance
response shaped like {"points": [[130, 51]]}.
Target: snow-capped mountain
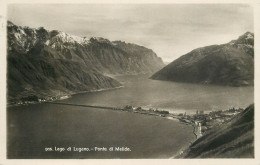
{"points": [[43, 62], [245, 43], [227, 64]]}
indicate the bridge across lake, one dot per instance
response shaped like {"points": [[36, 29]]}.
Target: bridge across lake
{"points": [[196, 131], [89, 106]]}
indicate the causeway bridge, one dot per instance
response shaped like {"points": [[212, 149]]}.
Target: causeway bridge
{"points": [[89, 106]]}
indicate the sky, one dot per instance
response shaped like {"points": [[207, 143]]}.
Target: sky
{"points": [[170, 30]]}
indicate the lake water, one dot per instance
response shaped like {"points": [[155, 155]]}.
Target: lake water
{"points": [[175, 97], [33, 128]]}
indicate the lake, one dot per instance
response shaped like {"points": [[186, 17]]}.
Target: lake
{"points": [[172, 96], [34, 128]]}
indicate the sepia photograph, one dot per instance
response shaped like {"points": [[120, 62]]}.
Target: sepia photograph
{"points": [[130, 81]]}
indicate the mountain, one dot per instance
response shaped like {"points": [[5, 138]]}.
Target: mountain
{"points": [[44, 63], [232, 139], [229, 64]]}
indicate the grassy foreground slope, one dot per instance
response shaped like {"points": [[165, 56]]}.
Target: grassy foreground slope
{"points": [[233, 139]]}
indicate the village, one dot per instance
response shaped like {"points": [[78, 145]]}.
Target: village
{"points": [[201, 121], [211, 119]]}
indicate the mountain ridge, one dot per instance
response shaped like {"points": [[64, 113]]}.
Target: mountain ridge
{"points": [[229, 64], [44, 63]]}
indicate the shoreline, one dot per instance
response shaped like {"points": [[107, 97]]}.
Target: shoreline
{"points": [[181, 151], [63, 97], [156, 113], [170, 116], [58, 97]]}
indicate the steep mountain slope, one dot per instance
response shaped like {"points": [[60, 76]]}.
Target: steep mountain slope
{"points": [[233, 139], [44, 63], [227, 64]]}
